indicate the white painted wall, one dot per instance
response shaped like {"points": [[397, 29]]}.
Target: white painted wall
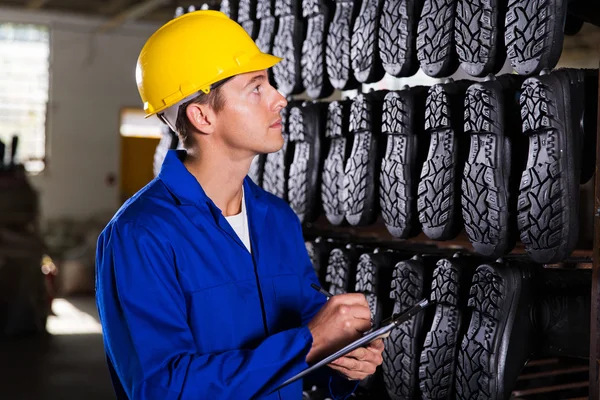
{"points": [[92, 77]]}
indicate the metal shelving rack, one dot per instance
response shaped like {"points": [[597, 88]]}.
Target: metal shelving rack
{"points": [[581, 258]]}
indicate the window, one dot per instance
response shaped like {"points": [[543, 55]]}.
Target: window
{"points": [[24, 81]]}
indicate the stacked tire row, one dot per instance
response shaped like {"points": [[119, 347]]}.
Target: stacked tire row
{"points": [[478, 336], [341, 44], [499, 158]]}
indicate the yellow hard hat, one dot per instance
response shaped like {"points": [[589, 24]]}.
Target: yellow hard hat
{"points": [[190, 53]]}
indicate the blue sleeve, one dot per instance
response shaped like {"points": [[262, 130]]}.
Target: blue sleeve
{"points": [[147, 338], [339, 387]]}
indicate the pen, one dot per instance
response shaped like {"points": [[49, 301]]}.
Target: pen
{"points": [[321, 290]]}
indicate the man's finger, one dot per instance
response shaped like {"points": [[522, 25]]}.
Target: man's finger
{"points": [[351, 299], [365, 370], [360, 312], [349, 363], [361, 354], [364, 355], [350, 375], [371, 354], [376, 345], [360, 299], [356, 318]]}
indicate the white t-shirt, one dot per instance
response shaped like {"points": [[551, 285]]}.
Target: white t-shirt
{"points": [[239, 223]]}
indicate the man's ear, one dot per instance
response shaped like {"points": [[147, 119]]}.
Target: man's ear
{"points": [[202, 117]]}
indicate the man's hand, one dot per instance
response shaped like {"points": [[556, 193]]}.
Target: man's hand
{"points": [[342, 320], [360, 363]]}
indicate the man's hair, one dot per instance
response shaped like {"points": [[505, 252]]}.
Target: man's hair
{"points": [[183, 126]]}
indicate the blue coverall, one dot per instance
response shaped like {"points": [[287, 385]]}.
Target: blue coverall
{"points": [[187, 312]]}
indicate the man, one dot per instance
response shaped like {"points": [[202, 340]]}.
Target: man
{"points": [[203, 280]]}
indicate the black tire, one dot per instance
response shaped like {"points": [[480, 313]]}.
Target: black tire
{"points": [[264, 9], [266, 34], [371, 273], [332, 182], [373, 277], [439, 187], [478, 35], [341, 270], [498, 340], [287, 7], [337, 54], [288, 45], [277, 165], [403, 346], [247, 17], [439, 356], [307, 130], [547, 218], [487, 188], [435, 38], [364, 51], [403, 113], [398, 36], [230, 8], [359, 195], [252, 27], [476, 373], [246, 10], [314, 71], [534, 34]]}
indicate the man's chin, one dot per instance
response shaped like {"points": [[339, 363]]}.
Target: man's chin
{"points": [[273, 146]]}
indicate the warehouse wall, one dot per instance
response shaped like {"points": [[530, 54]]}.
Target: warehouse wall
{"points": [[92, 77]]}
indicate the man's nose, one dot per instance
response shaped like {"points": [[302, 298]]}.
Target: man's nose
{"points": [[280, 102]]}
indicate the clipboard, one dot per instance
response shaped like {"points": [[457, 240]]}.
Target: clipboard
{"points": [[384, 331]]}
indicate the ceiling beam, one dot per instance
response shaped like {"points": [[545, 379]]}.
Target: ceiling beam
{"points": [[161, 15], [132, 13], [112, 6], [35, 4]]}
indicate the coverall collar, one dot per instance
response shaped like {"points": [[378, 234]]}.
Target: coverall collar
{"points": [[180, 182], [184, 186]]}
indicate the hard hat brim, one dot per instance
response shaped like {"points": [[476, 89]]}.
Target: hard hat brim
{"points": [[258, 62]]}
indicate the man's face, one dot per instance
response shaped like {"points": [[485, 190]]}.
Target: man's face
{"points": [[250, 121]]}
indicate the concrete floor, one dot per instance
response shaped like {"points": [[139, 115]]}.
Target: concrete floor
{"points": [[56, 367], [69, 365]]}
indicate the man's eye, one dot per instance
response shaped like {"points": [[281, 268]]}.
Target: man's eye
{"points": [[256, 89]]}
